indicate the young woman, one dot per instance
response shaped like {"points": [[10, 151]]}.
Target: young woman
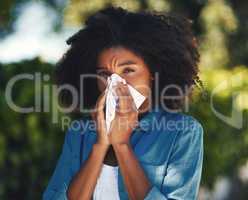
{"points": [[154, 152]]}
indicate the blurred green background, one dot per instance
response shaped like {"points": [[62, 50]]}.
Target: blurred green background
{"points": [[32, 39]]}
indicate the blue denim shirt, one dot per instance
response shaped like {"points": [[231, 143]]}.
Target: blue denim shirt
{"points": [[168, 146]]}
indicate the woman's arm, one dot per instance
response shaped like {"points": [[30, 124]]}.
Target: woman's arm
{"points": [[62, 184], [135, 180], [83, 183]]}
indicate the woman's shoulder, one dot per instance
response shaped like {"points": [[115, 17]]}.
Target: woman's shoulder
{"points": [[77, 134], [79, 127], [182, 122]]}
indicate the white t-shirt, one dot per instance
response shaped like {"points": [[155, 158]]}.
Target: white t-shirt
{"points": [[107, 184]]}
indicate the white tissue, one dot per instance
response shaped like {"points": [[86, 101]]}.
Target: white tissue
{"points": [[111, 98]]}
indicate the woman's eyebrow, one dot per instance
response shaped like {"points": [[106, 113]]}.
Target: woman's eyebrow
{"points": [[128, 62]]}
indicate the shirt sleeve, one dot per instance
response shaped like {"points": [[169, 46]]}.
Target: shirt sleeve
{"points": [[183, 176], [58, 184]]}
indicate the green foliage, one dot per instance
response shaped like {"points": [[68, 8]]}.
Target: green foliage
{"points": [[226, 147], [219, 21], [29, 143]]}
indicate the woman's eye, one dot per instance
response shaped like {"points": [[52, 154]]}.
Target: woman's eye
{"points": [[128, 70], [104, 74]]}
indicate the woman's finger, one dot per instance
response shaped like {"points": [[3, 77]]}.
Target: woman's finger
{"points": [[120, 103], [100, 111], [124, 99], [101, 104], [128, 97], [124, 89]]}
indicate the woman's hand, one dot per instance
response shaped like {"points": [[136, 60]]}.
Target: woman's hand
{"points": [[126, 116], [98, 116]]}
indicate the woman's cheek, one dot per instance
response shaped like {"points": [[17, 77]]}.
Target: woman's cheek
{"points": [[141, 83], [101, 85], [142, 87]]}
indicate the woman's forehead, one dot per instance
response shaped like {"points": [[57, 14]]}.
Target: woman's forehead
{"points": [[117, 56]]}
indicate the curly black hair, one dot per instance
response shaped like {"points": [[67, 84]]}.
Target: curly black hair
{"points": [[163, 40]]}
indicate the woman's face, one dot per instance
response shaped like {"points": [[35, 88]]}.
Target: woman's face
{"points": [[130, 67]]}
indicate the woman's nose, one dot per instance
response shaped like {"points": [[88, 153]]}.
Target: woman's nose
{"points": [[114, 72], [119, 74]]}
